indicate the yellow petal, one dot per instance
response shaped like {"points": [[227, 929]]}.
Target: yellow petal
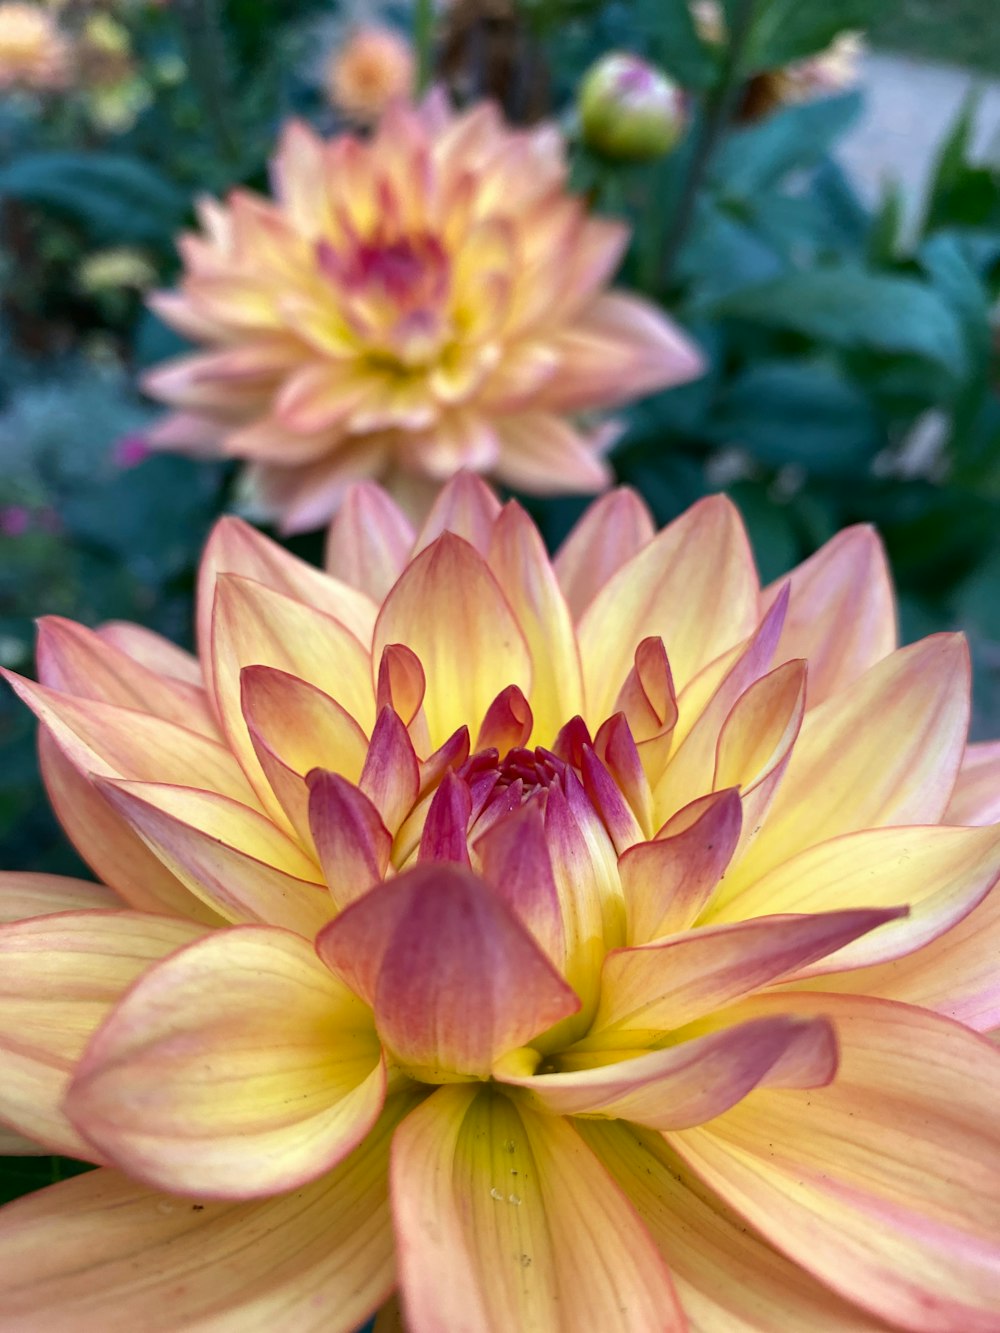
{"points": [[369, 540], [976, 798], [24, 894], [610, 532]]}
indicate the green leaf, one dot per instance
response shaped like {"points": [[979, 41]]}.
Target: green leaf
{"points": [[802, 413], [852, 308], [794, 139], [674, 43], [787, 30]]}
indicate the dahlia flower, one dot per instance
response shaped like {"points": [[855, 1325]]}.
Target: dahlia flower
{"points": [[35, 53], [427, 301], [372, 68], [598, 943]]}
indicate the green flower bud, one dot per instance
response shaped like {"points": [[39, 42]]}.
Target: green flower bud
{"points": [[629, 108]]}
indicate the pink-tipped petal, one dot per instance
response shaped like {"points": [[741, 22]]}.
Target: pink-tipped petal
{"points": [[465, 506], [152, 650], [976, 797], [545, 455], [446, 828], [514, 857], [369, 541], [610, 532], [352, 842], [390, 777]]}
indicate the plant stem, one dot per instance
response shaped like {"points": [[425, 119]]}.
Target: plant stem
{"points": [[201, 30], [423, 38], [720, 106]]}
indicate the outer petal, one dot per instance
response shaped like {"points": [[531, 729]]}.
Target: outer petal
{"points": [[885, 1185], [842, 615], [448, 608], [454, 978], [544, 455], [694, 586], [24, 894], [103, 1252], [182, 1092], [465, 506], [886, 751], [940, 873], [976, 798], [505, 1220], [59, 977], [369, 540], [689, 1083], [728, 1279], [610, 532], [152, 650]]}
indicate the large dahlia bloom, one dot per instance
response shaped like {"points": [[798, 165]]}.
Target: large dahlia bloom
{"points": [[426, 301], [592, 944]]}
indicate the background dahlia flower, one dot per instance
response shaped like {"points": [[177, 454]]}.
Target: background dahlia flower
{"points": [[372, 68], [426, 301], [598, 943], [35, 53]]}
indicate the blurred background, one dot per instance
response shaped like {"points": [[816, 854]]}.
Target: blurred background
{"points": [[817, 201]]}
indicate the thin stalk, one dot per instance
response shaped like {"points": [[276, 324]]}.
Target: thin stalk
{"points": [[720, 107], [423, 39], [201, 31]]}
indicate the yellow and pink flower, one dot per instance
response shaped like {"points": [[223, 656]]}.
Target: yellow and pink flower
{"points": [[592, 943], [423, 302], [373, 68], [35, 53]]}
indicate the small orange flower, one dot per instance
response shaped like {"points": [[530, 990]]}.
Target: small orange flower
{"points": [[35, 53], [428, 301], [372, 69]]}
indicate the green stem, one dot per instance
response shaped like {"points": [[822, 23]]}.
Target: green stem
{"points": [[720, 106], [201, 31], [423, 37]]}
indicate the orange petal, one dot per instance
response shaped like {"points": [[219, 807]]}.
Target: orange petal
{"points": [[976, 798], [885, 1185], [369, 540], [181, 1091], [24, 894], [842, 614], [453, 976], [317, 1260], [59, 977], [609, 533], [694, 586], [448, 608], [496, 1210]]}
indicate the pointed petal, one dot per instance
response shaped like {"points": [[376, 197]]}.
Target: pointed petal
{"points": [[609, 533], [465, 506], [60, 976], [842, 614], [233, 858], [103, 1252], [976, 798], [179, 1090], [694, 586], [446, 828], [505, 1220], [390, 777], [352, 842], [885, 1185], [886, 751], [454, 978], [369, 540], [544, 455], [24, 894], [152, 650], [513, 855], [507, 724], [448, 608]]}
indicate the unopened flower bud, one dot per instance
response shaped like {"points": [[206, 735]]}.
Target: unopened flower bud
{"points": [[629, 108]]}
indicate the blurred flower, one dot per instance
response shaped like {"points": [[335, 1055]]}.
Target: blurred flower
{"points": [[130, 450], [427, 301], [35, 53], [659, 965], [15, 520], [629, 108], [372, 68], [120, 267]]}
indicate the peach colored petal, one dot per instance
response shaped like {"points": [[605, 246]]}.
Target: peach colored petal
{"points": [[885, 1185], [694, 586], [448, 608], [544, 455], [101, 1251], [368, 541], [465, 506], [152, 650], [608, 534], [976, 798], [454, 978], [305, 497], [506, 1220], [59, 977], [179, 1090], [390, 777], [352, 842], [24, 894], [842, 613]]}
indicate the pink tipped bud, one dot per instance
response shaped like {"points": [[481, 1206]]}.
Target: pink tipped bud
{"points": [[629, 108]]}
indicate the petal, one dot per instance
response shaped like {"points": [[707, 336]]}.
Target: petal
{"points": [[657, 987], [59, 977], [24, 894], [518, 559], [544, 455], [694, 586], [608, 534], [886, 751], [465, 506], [885, 1185], [513, 855], [454, 978], [842, 614], [940, 873], [77, 661], [231, 857], [728, 1279], [352, 842], [689, 1083], [506, 1221], [390, 777], [369, 540], [976, 798], [103, 1252], [152, 650], [181, 1091], [448, 608]]}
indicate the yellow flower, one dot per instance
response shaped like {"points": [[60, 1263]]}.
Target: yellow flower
{"points": [[35, 53], [369, 71], [599, 943], [428, 301]]}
